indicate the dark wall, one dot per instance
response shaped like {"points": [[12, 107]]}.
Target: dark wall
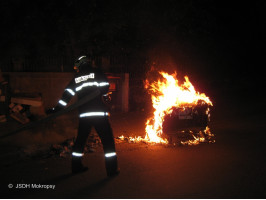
{"points": [[51, 85]]}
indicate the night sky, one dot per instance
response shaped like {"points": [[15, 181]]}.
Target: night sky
{"points": [[213, 37]]}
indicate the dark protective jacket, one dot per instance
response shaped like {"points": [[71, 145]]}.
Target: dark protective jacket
{"points": [[82, 85]]}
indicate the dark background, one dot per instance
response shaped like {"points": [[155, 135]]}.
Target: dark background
{"points": [[218, 44], [224, 36]]}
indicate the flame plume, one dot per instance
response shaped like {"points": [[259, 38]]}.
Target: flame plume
{"points": [[167, 94]]}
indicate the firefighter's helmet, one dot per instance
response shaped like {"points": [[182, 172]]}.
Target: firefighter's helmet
{"points": [[81, 62]]}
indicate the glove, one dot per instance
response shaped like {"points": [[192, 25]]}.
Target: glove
{"points": [[51, 110], [106, 98]]}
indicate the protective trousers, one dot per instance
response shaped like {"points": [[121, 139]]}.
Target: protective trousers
{"points": [[104, 130]]}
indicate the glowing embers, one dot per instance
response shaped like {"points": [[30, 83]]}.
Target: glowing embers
{"points": [[204, 136]]}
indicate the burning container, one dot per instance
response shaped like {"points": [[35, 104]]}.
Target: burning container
{"points": [[186, 123], [186, 118], [180, 112]]}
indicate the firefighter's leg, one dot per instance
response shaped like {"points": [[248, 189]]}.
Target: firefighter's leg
{"points": [[105, 132], [78, 148]]}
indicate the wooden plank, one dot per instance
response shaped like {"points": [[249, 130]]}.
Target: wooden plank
{"points": [[27, 101]]}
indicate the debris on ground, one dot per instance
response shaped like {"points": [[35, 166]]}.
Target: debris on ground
{"points": [[19, 113], [63, 149], [23, 107]]}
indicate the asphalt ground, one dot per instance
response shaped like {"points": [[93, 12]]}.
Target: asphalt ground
{"points": [[233, 167]]}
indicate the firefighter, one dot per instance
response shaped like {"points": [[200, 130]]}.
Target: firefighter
{"points": [[91, 114]]}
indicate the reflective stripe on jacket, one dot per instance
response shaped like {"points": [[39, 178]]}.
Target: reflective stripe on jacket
{"points": [[83, 84]]}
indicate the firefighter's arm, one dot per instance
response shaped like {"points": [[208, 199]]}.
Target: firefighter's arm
{"points": [[107, 97], [68, 93]]}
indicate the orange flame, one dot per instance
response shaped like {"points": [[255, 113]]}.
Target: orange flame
{"points": [[166, 95]]}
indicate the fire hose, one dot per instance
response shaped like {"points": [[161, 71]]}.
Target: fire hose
{"points": [[52, 116]]}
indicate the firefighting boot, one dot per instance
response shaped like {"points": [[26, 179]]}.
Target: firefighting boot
{"points": [[77, 166], [111, 165]]}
